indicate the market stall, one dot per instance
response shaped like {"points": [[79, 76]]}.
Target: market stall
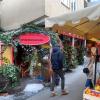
{"points": [[92, 94], [86, 25]]}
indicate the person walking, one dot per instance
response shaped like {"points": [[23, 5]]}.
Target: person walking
{"points": [[88, 70], [57, 67]]}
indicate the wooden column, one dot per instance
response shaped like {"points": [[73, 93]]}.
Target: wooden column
{"points": [[73, 41]]}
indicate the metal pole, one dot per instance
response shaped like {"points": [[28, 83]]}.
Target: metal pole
{"points": [[95, 71]]}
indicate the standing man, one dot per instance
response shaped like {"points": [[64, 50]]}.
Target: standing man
{"points": [[57, 67]]}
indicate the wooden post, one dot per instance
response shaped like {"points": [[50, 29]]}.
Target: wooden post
{"points": [[85, 43], [73, 41]]}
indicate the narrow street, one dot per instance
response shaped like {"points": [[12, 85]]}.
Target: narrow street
{"points": [[75, 82], [37, 36]]}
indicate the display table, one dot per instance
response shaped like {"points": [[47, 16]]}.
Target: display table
{"points": [[90, 94], [89, 97]]}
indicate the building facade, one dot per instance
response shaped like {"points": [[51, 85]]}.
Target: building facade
{"points": [[14, 13]]}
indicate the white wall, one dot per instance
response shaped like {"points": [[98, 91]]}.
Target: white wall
{"points": [[17, 12], [61, 11], [80, 4], [54, 8]]}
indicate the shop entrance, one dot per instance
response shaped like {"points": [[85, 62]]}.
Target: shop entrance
{"points": [[30, 52], [29, 60], [22, 59]]}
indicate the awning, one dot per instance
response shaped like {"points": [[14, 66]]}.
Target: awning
{"points": [[85, 22], [85, 28], [92, 13]]}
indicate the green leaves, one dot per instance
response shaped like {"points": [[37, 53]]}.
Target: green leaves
{"points": [[70, 56], [11, 72], [7, 36]]}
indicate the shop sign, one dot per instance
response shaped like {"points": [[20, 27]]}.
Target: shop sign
{"points": [[72, 35], [46, 46], [33, 39]]}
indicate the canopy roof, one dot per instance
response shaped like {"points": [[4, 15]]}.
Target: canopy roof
{"points": [[85, 22]]}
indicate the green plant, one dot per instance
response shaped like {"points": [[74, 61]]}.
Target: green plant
{"points": [[11, 72], [4, 82], [80, 55], [70, 56]]}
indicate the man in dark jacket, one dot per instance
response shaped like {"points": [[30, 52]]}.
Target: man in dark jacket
{"points": [[57, 67]]}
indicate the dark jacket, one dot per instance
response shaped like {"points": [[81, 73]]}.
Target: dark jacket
{"points": [[57, 58]]}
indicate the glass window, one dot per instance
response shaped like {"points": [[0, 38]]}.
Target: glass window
{"points": [[74, 5]]}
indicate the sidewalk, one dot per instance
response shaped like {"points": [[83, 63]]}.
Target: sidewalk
{"points": [[27, 88], [75, 82]]}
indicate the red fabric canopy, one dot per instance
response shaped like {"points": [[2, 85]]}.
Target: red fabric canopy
{"points": [[33, 39]]}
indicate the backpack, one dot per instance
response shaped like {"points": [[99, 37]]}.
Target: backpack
{"points": [[57, 60]]}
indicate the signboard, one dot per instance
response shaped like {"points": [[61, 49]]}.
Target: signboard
{"points": [[46, 46], [72, 35], [33, 39]]}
